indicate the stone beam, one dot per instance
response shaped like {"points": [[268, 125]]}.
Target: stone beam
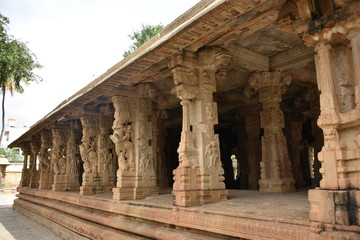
{"points": [[242, 26], [303, 77], [292, 58], [247, 59]]}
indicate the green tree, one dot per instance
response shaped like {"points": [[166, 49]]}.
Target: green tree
{"points": [[140, 37], [12, 154], [17, 65]]}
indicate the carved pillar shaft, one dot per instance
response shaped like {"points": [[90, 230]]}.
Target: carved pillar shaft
{"points": [[328, 102], [276, 172], [159, 148], [58, 156], [297, 146], [354, 35], [106, 151], [199, 176], [89, 151], [25, 174], [132, 137], [73, 157], [329, 118], [34, 173], [45, 163], [252, 123]]}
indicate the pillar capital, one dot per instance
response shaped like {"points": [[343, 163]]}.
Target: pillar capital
{"points": [[35, 145], [260, 80], [25, 148], [185, 92], [271, 85]]}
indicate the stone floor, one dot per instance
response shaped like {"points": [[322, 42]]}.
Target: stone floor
{"points": [[13, 225], [285, 207]]}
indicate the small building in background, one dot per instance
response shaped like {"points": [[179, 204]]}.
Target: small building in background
{"points": [[13, 175], [12, 132], [3, 164]]}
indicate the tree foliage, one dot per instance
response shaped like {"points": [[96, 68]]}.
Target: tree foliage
{"points": [[141, 36], [12, 154], [17, 65]]}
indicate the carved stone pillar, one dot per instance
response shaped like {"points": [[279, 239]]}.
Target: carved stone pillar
{"points": [[240, 164], [318, 145], [354, 36], [34, 173], [297, 147], [106, 150], [276, 173], [133, 143], [199, 176], [58, 156], [252, 123], [73, 158], [343, 76], [335, 202], [159, 133], [45, 160], [89, 151], [25, 174]]}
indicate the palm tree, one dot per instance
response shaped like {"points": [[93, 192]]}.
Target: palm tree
{"points": [[17, 63], [11, 87]]}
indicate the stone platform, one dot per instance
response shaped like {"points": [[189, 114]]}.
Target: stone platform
{"points": [[246, 215]]}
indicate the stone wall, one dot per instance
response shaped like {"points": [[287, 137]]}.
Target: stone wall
{"points": [[12, 179]]}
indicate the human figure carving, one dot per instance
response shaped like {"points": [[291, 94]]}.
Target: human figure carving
{"points": [[92, 155], [59, 162], [211, 152], [122, 137], [44, 161]]}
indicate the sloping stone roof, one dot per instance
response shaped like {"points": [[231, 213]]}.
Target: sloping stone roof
{"points": [[207, 21]]}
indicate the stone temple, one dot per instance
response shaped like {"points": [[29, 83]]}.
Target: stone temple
{"points": [[240, 120]]}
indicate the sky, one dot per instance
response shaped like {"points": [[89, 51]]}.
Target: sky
{"points": [[75, 41]]}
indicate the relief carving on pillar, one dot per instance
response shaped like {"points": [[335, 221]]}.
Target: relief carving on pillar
{"points": [[105, 150], [35, 148], [212, 153], [45, 152], [25, 175], [106, 146], [73, 150], [357, 138], [124, 146], [88, 147], [59, 151], [276, 172]]}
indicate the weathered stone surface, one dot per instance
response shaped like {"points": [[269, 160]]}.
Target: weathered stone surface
{"points": [[185, 104]]}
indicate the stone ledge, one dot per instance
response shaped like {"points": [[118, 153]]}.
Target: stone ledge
{"points": [[54, 227], [83, 227], [187, 219]]}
